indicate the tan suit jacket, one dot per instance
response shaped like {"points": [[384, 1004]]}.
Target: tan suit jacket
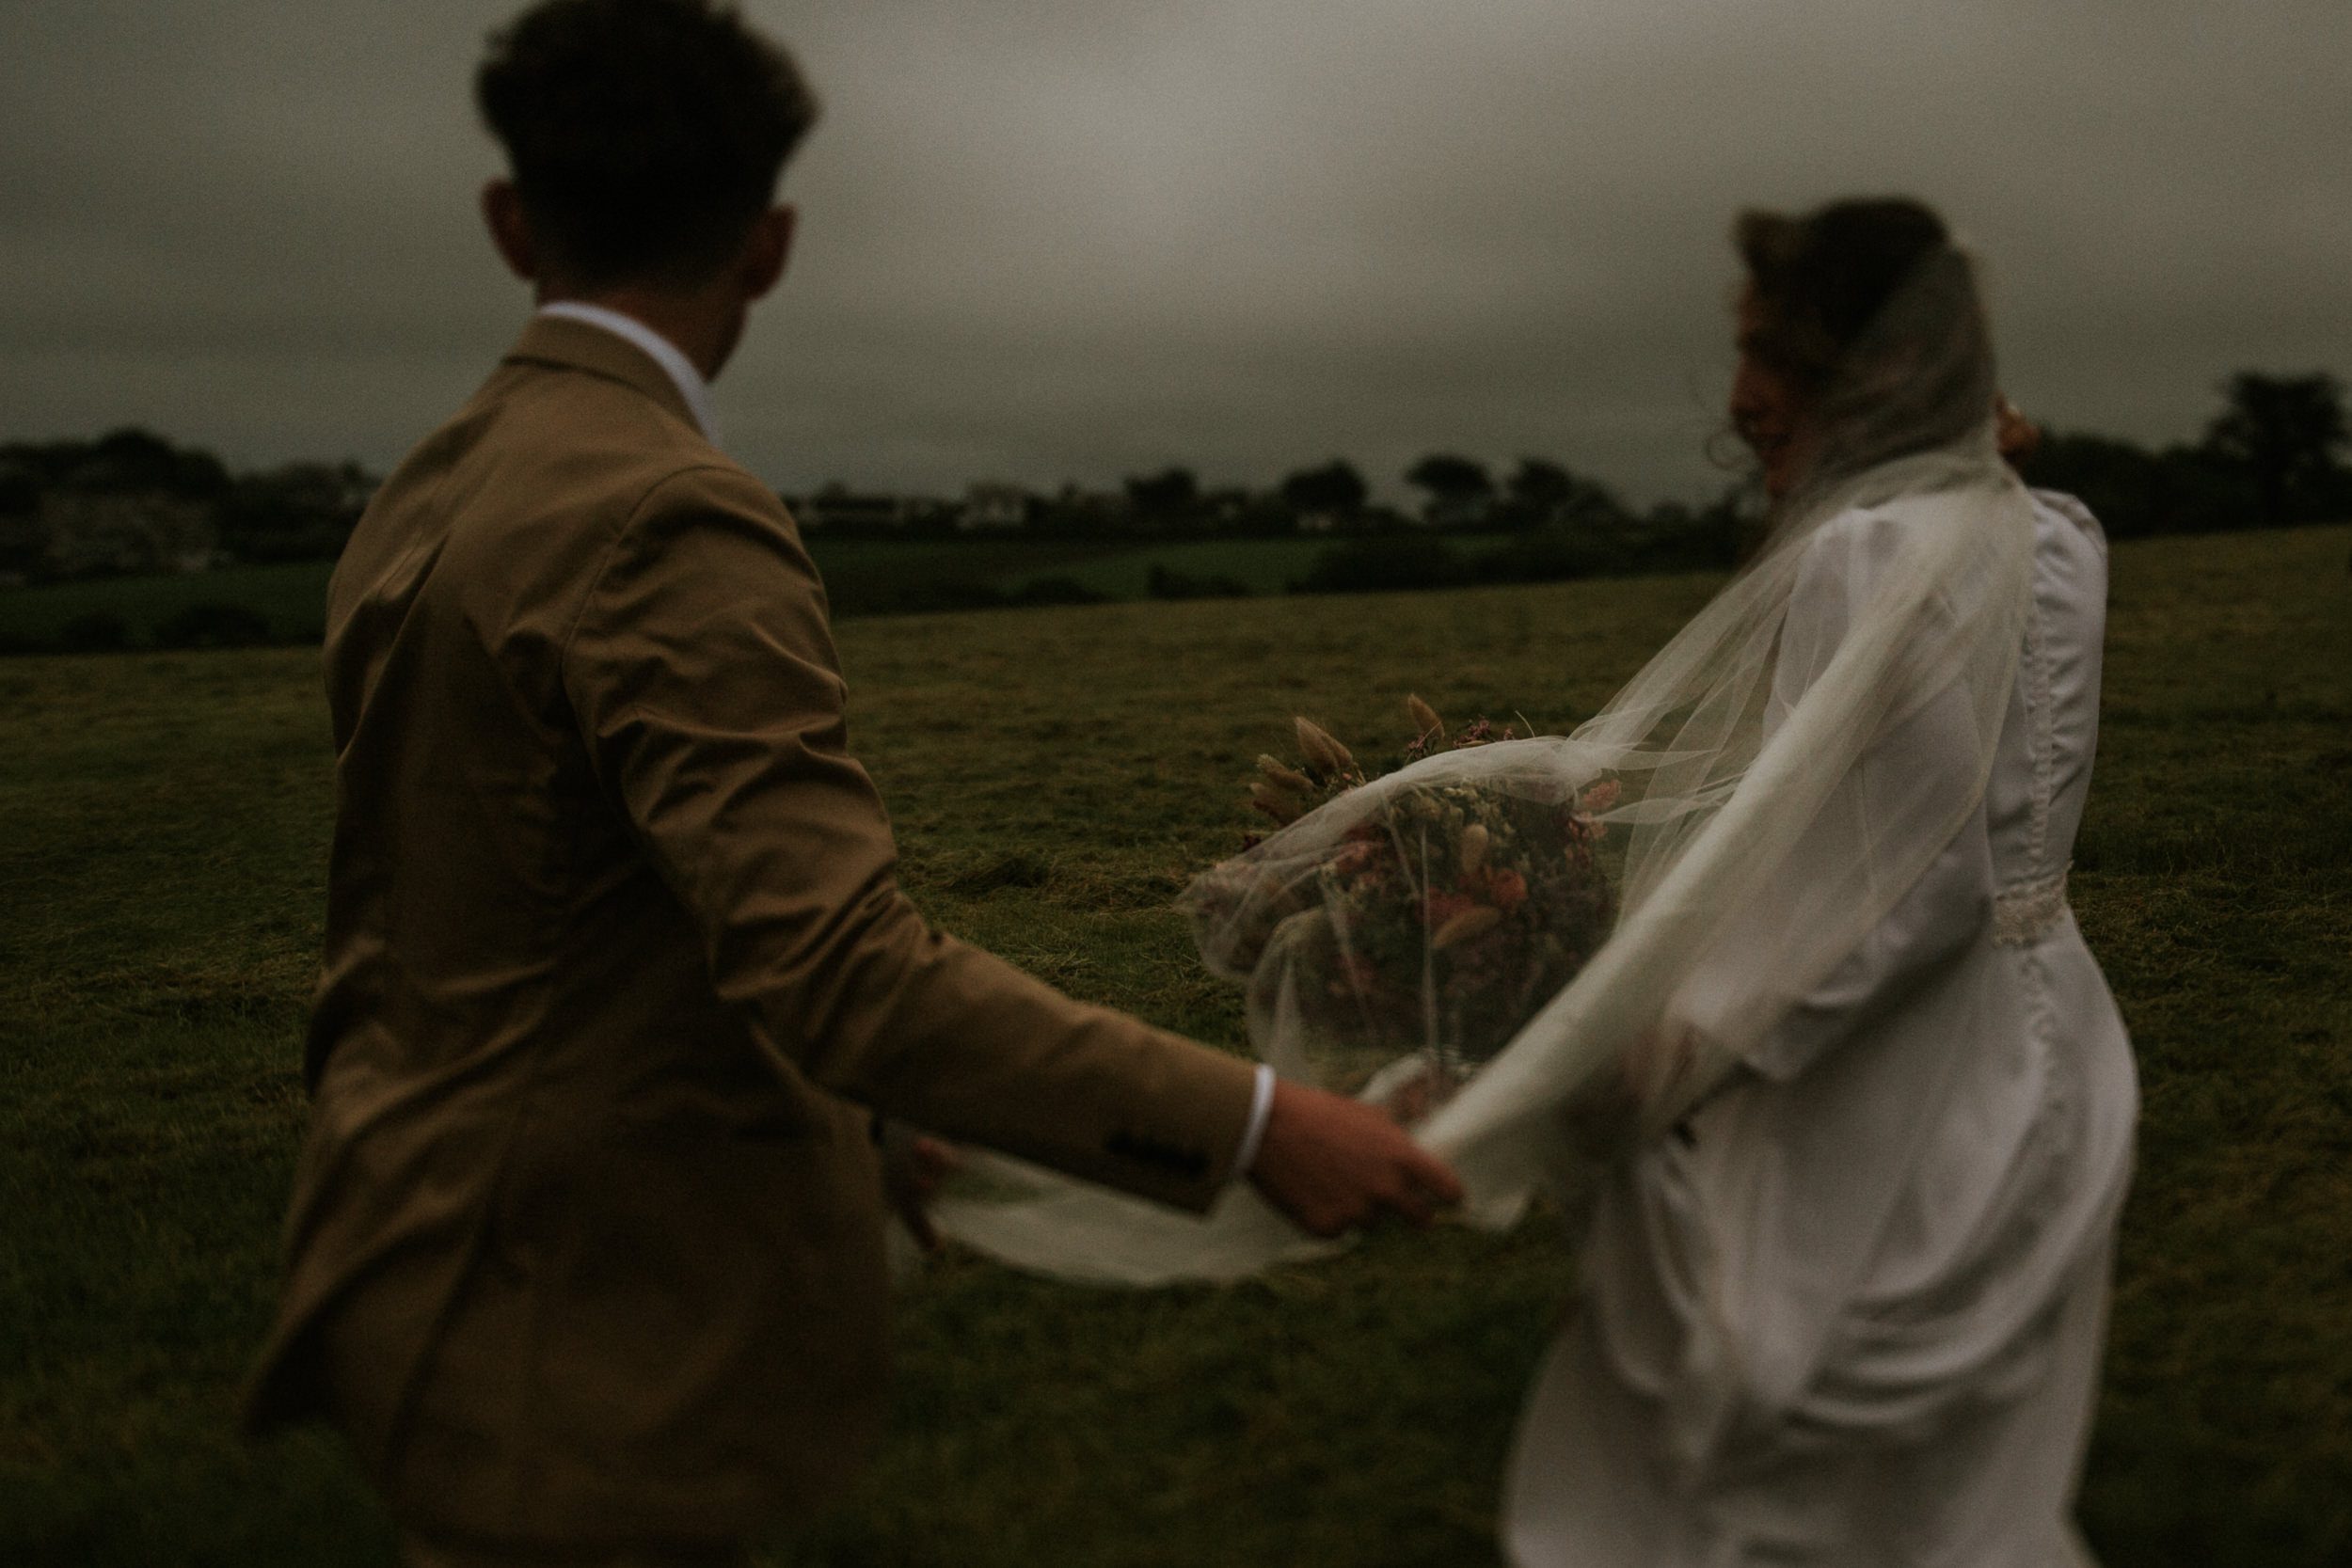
{"points": [[586, 1242]]}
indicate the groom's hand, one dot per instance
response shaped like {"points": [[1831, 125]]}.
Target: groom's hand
{"points": [[1332, 1164], [913, 1166]]}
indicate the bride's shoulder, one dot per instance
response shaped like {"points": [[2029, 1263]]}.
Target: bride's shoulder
{"points": [[1902, 543], [2054, 511], [1854, 537]]}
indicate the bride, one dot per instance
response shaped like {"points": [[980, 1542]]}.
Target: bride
{"points": [[1848, 1308], [1840, 1094]]}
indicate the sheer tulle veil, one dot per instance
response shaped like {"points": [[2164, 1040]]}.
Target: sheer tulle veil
{"points": [[1721, 759]]}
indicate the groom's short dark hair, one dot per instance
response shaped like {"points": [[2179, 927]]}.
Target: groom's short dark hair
{"points": [[645, 136]]}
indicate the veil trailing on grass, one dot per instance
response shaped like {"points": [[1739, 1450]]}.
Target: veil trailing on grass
{"points": [[1527, 949]]}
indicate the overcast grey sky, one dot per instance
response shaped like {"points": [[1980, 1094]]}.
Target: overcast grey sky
{"points": [[1074, 239]]}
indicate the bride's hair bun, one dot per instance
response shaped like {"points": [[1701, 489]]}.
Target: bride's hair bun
{"points": [[1823, 278], [1872, 311]]}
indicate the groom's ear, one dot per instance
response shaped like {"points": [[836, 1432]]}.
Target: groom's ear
{"points": [[510, 230], [766, 249]]}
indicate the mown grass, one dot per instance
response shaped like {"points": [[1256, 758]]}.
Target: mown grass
{"points": [[1254, 566], [1055, 775]]}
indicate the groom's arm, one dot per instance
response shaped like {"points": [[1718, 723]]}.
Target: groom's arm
{"points": [[704, 680]]}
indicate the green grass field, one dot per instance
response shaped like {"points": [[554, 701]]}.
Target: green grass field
{"points": [[1260, 566], [291, 597], [863, 577], [1055, 775], [863, 574]]}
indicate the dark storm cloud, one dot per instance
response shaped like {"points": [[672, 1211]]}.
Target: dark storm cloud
{"points": [[1071, 240]]}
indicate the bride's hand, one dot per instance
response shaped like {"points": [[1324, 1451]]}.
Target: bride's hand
{"points": [[1409, 1091]]}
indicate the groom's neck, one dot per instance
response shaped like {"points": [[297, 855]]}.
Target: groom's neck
{"points": [[702, 323]]}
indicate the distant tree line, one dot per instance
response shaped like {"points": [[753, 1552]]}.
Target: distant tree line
{"points": [[2274, 456], [134, 503], [1541, 523]]}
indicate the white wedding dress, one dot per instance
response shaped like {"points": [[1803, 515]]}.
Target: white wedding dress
{"points": [[1849, 1310], [1842, 1091]]}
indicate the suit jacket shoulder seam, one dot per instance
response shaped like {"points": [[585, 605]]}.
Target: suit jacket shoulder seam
{"points": [[612, 545]]}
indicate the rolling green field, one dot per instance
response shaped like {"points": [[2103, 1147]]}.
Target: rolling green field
{"points": [[863, 577], [291, 597], [1055, 776], [863, 574]]}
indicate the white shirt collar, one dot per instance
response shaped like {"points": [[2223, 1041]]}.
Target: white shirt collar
{"points": [[691, 385]]}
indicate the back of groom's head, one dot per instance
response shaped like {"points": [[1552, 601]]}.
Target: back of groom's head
{"points": [[646, 137]]}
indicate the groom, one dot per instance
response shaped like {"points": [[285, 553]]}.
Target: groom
{"points": [[585, 1249]]}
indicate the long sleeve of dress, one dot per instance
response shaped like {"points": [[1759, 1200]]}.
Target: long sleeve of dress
{"points": [[1924, 756]]}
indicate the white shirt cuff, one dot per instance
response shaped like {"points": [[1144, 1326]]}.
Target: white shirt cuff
{"points": [[1260, 1106]]}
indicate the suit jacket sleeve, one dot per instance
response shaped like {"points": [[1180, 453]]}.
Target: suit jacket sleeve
{"points": [[702, 675]]}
